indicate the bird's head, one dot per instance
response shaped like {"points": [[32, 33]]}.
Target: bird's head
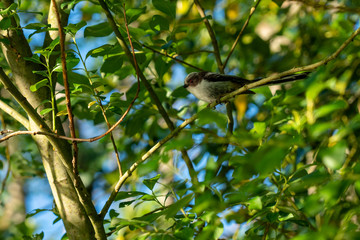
{"points": [[192, 80]]}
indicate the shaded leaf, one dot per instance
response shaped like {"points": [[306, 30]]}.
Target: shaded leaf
{"points": [[133, 13], [99, 30], [159, 23], [166, 6]]}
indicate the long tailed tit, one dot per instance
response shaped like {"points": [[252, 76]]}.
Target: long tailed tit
{"points": [[210, 87]]}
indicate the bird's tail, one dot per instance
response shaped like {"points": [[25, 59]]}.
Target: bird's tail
{"points": [[290, 78]]}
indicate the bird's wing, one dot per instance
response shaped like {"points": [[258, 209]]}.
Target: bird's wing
{"points": [[215, 77], [237, 82]]}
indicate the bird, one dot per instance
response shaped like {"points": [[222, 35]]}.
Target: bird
{"points": [[210, 87]]}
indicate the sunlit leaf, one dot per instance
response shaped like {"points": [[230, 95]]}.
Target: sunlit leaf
{"points": [[39, 84], [334, 157], [150, 183], [45, 111]]}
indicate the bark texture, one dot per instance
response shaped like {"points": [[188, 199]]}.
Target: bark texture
{"points": [[71, 209]]}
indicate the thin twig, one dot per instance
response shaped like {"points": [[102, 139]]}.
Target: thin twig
{"points": [[101, 108], [173, 58], [252, 10], [212, 36], [66, 86]]}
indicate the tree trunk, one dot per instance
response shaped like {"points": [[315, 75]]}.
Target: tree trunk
{"points": [[71, 209]]}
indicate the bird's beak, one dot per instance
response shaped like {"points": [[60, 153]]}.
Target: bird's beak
{"points": [[185, 85]]}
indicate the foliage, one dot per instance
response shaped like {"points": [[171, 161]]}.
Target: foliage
{"points": [[290, 168]]}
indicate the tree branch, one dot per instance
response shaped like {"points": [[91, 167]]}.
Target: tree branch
{"points": [[252, 10], [173, 58], [14, 114]]}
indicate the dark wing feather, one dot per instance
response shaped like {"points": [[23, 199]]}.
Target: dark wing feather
{"points": [[237, 82], [214, 77]]}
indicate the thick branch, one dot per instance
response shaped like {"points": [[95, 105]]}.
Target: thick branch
{"points": [[14, 114]]}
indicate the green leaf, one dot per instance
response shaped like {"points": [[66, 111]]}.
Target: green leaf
{"points": [[161, 66], [286, 217], [36, 26], [123, 195], [134, 13], [166, 6], [9, 9], [42, 73], [183, 141], [45, 111], [99, 30], [209, 116], [148, 197], [53, 44], [71, 62], [167, 45], [150, 183], [278, 2], [302, 184], [34, 58], [255, 203], [74, 28], [36, 86], [159, 23], [173, 209], [5, 23], [259, 129], [112, 64], [126, 203], [100, 51], [334, 157], [113, 213], [329, 108], [179, 92]]}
